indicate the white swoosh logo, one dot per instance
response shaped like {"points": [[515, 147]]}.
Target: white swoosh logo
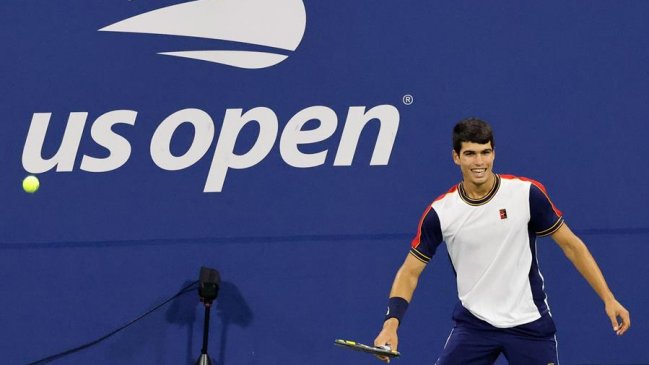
{"points": [[272, 23]]}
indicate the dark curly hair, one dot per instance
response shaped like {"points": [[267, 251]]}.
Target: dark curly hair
{"points": [[472, 130]]}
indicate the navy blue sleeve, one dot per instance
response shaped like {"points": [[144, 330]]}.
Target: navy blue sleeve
{"points": [[545, 218], [429, 236]]}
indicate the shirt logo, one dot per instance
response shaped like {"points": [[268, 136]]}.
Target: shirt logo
{"points": [[503, 214], [276, 24]]}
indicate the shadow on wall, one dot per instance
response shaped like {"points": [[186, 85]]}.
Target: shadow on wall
{"points": [[182, 312], [148, 334], [231, 308]]}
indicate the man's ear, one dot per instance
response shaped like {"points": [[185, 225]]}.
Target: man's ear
{"points": [[456, 157]]}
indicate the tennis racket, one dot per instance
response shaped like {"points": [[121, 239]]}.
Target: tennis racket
{"points": [[374, 350]]}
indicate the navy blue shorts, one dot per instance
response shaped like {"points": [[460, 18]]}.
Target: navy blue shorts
{"points": [[475, 342]]}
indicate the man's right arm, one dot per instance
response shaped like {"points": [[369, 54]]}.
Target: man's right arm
{"points": [[405, 283]]}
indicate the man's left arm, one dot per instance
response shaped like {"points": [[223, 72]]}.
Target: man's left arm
{"points": [[575, 249]]}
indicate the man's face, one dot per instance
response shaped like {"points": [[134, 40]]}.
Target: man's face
{"points": [[475, 161]]}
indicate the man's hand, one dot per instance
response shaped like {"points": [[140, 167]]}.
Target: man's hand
{"points": [[388, 336], [616, 311], [580, 256]]}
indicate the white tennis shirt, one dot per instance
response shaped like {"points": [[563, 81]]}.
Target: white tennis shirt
{"points": [[492, 246]]}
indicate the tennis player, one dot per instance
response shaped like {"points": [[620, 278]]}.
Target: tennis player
{"points": [[490, 223]]}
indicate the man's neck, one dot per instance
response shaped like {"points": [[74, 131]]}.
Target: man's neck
{"points": [[475, 191]]}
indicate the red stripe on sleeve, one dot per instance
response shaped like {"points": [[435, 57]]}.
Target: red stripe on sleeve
{"points": [[538, 185], [417, 240], [446, 193]]}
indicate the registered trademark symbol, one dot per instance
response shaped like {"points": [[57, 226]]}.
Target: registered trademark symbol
{"points": [[408, 99]]}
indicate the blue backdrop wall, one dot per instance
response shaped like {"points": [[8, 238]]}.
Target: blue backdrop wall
{"points": [[293, 145]]}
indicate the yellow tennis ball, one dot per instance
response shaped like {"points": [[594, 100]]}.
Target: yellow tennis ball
{"points": [[30, 184]]}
